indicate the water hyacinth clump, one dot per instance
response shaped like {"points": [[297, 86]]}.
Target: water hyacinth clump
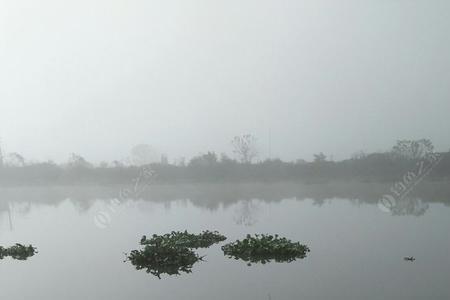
{"points": [[185, 239], [163, 259], [171, 253], [263, 248], [18, 251]]}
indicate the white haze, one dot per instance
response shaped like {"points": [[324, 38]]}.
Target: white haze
{"points": [[98, 77]]}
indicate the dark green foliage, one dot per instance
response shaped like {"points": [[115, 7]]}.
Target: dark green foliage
{"points": [[171, 253], [163, 259], [18, 251], [265, 248], [185, 239]]}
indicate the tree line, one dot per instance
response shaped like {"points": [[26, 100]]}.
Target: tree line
{"points": [[405, 157]]}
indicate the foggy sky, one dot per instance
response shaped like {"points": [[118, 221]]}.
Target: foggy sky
{"points": [[98, 77]]}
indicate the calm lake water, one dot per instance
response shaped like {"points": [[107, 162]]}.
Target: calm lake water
{"points": [[357, 249]]}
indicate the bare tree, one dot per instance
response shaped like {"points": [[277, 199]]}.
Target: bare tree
{"points": [[244, 147], [78, 161], [413, 149], [320, 157], [143, 154], [16, 159]]}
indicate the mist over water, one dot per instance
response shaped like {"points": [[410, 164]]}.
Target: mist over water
{"points": [[224, 149]]}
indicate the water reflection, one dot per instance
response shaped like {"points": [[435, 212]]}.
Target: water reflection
{"points": [[348, 235], [409, 206], [215, 196], [246, 212]]}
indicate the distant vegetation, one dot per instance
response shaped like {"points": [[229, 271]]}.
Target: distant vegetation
{"points": [[405, 156]]}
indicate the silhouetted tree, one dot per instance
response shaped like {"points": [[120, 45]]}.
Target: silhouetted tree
{"points": [[76, 160], [143, 154], [118, 164], [320, 157], [412, 149], [244, 147], [164, 159], [359, 155], [207, 159], [16, 159]]}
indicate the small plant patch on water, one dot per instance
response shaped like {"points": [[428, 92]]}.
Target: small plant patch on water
{"points": [[163, 259], [263, 248], [171, 253], [185, 239], [18, 251]]}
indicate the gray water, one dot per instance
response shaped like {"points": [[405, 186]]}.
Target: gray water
{"points": [[357, 249]]}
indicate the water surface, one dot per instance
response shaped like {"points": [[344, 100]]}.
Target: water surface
{"points": [[357, 249]]}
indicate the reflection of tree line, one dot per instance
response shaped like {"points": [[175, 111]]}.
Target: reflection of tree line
{"points": [[409, 206], [212, 196], [246, 211]]}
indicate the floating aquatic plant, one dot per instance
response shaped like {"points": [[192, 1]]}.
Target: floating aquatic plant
{"points": [[265, 248], [171, 253], [163, 259], [185, 239], [18, 251]]}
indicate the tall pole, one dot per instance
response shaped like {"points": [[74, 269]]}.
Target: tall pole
{"points": [[1, 154], [10, 217]]}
